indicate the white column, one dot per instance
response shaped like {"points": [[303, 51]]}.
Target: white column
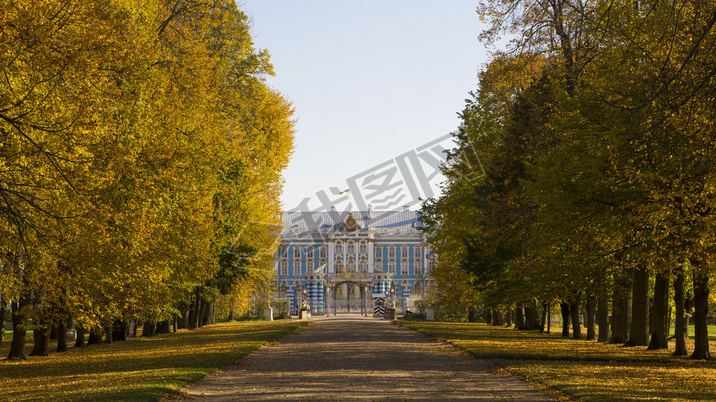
{"points": [[370, 255], [331, 253]]}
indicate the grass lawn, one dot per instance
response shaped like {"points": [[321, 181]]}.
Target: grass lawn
{"points": [[139, 369], [582, 369]]}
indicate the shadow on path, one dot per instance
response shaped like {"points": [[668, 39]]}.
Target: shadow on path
{"points": [[357, 358]]}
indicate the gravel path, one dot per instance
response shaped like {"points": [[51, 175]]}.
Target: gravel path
{"points": [[356, 358]]}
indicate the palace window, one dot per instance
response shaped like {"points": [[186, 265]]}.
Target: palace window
{"points": [[322, 253], [363, 266], [284, 268], [296, 267], [404, 251], [309, 252], [350, 248], [322, 262], [391, 266], [363, 249], [418, 252], [339, 266], [296, 252], [378, 252], [404, 267], [284, 252], [309, 266], [418, 267], [379, 263], [339, 249], [391, 252]]}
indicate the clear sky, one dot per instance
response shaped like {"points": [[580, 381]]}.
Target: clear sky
{"points": [[370, 79]]}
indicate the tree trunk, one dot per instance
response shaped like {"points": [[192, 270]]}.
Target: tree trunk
{"points": [[621, 315], [520, 317], [603, 319], [497, 317], [231, 315], [163, 327], [659, 336], [175, 323], [508, 317], [120, 330], [639, 331], [195, 310], [3, 318], [574, 310], [564, 306], [109, 332], [184, 321], [206, 320], [62, 336], [549, 318], [150, 329], [531, 321], [680, 307], [488, 316], [591, 315], [19, 329], [80, 340], [95, 336], [701, 311], [41, 336], [543, 320]]}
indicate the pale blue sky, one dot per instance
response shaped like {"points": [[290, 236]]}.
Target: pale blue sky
{"points": [[369, 79]]}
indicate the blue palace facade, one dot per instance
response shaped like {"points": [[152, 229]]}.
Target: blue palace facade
{"points": [[355, 262]]}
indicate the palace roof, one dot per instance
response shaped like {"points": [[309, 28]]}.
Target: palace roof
{"points": [[297, 221]]}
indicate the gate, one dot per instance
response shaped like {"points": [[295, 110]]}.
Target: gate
{"points": [[348, 297]]}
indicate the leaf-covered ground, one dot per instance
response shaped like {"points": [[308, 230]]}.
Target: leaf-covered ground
{"points": [[583, 369], [140, 369]]}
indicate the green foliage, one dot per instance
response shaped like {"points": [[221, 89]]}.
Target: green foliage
{"points": [[421, 306], [595, 130], [138, 140]]}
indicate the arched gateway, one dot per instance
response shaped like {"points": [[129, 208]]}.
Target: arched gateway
{"points": [[365, 261]]}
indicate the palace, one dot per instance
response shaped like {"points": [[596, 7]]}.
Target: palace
{"points": [[359, 261]]}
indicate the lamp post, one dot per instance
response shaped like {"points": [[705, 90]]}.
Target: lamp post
{"points": [[326, 297], [305, 298]]}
